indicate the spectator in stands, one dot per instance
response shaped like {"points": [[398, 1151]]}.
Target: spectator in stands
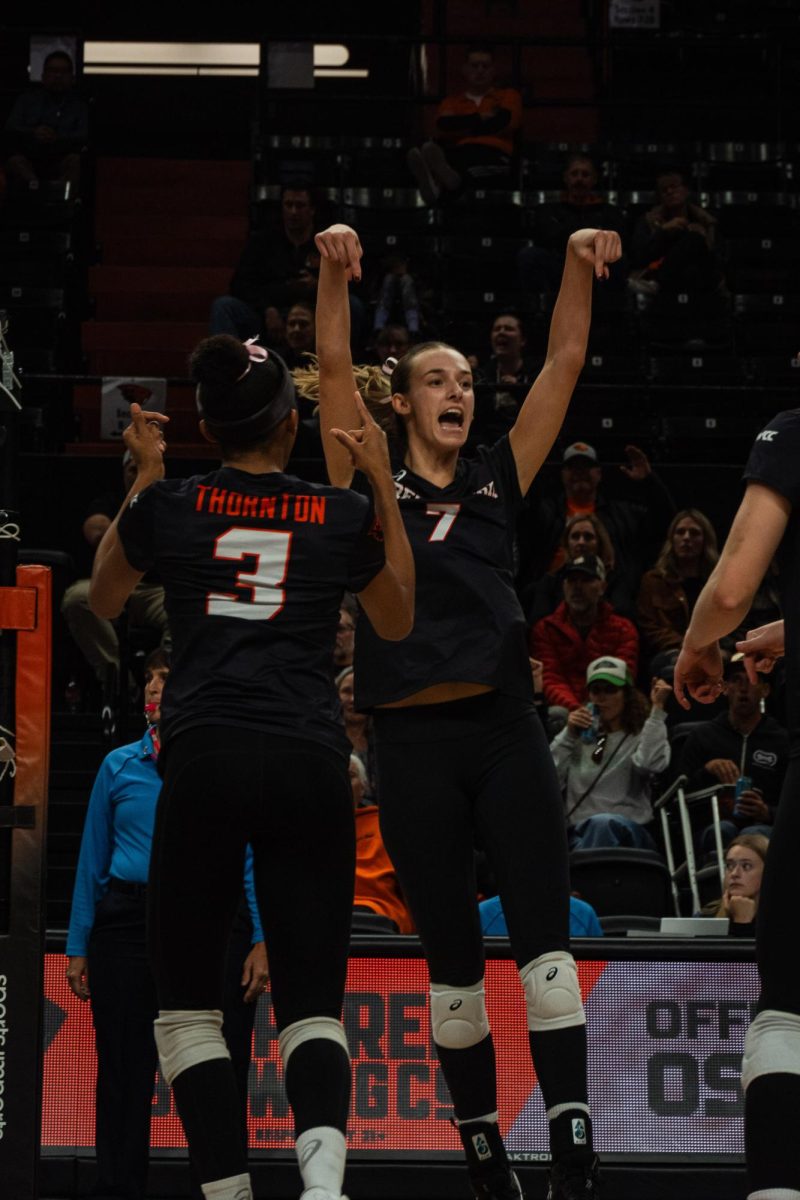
{"points": [[673, 245], [97, 638], [584, 533], [635, 523], [107, 962], [300, 333], [345, 636], [398, 294], [358, 728], [393, 341], [277, 269], [605, 758], [742, 744], [583, 627], [376, 888], [47, 127], [476, 130], [583, 920], [540, 266], [508, 363], [744, 868], [668, 592]]}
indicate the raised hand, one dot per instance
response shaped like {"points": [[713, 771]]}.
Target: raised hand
{"points": [[367, 446], [598, 247], [659, 693], [340, 244], [144, 437], [638, 464]]}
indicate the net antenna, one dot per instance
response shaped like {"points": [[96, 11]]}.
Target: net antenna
{"points": [[10, 386]]}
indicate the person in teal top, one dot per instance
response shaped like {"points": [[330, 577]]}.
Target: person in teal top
{"points": [[107, 962], [583, 920]]}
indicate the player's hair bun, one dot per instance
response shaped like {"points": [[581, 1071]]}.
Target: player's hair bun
{"points": [[218, 361]]}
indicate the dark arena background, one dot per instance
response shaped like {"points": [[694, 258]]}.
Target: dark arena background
{"points": [[195, 121]]}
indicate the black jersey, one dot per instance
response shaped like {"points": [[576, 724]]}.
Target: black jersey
{"points": [[775, 461], [468, 626], [254, 567]]}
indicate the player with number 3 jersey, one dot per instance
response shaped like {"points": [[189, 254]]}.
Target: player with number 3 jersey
{"points": [[254, 563], [462, 758]]}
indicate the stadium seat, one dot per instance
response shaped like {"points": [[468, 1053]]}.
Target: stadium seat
{"points": [[621, 881]]}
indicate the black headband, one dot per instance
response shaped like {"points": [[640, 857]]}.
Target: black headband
{"points": [[264, 419]]}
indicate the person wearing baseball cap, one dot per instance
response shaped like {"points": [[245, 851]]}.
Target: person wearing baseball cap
{"points": [[606, 754], [582, 628], [636, 515]]}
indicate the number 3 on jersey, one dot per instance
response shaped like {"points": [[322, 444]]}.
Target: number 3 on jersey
{"points": [[447, 514], [271, 550]]}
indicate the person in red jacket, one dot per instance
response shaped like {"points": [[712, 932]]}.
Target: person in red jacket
{"points": [[583, 627]]}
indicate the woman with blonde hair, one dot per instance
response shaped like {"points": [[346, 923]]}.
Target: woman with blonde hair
{"points": [[744, 867], [668, 592]]}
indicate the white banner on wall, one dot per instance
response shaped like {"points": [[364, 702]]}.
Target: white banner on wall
{"points": [[634, 14]]}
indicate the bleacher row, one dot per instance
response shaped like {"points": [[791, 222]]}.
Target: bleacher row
{"points": [[165, 235]]}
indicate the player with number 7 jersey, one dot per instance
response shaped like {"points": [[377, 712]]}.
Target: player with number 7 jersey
{"points": [[254, 563], [461, 755]]}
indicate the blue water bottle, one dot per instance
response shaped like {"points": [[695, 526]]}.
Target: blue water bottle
{"points": [[590, 733], [743, 784]]}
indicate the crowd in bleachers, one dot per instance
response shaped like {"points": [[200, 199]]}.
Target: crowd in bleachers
{"points": [[706, 292]]}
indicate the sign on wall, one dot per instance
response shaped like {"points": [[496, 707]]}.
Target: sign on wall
{"points": [[665, 1047]]}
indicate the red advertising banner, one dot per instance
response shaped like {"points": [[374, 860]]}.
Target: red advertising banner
{"points": [[665, 1044]]}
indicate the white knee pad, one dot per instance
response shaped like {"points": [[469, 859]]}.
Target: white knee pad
{"points": [[304, 1031], [771, 1046], [552, 992], [458, 1015], [185, 1038]]}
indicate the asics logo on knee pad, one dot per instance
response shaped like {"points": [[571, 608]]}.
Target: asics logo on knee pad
{"points": [[552, 992], [458, 1015], [309, 1151]]}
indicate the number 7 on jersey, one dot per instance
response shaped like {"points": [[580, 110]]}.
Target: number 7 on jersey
{"points": [[447, 514]]}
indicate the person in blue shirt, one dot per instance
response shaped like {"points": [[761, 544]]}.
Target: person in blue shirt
{"points": [[107, 962], [583, 920]]}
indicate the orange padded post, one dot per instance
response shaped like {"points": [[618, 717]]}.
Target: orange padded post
{"points": [[25, 609]]}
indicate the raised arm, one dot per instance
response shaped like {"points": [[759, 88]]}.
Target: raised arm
{"points": [[726, 598], [340, 260], [113, 577], [542, 414], [388, 599]]}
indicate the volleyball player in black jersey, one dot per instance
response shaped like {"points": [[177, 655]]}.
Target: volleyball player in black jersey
{"points": [[254, 564], [461, 754], [767, 524]]}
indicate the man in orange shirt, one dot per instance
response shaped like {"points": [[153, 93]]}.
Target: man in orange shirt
{"points": [[476, 128]]}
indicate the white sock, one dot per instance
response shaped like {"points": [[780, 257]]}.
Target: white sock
{"points": [[321, 1154], [775, 1194], [237, 1187]]}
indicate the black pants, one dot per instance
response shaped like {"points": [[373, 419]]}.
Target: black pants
{"points": [[291, 800], [474, 772], [776, 924], [124, 1006]]}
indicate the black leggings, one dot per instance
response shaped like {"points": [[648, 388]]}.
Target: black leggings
{"points": [[291, 800], [475, 771], [776, 923]]}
